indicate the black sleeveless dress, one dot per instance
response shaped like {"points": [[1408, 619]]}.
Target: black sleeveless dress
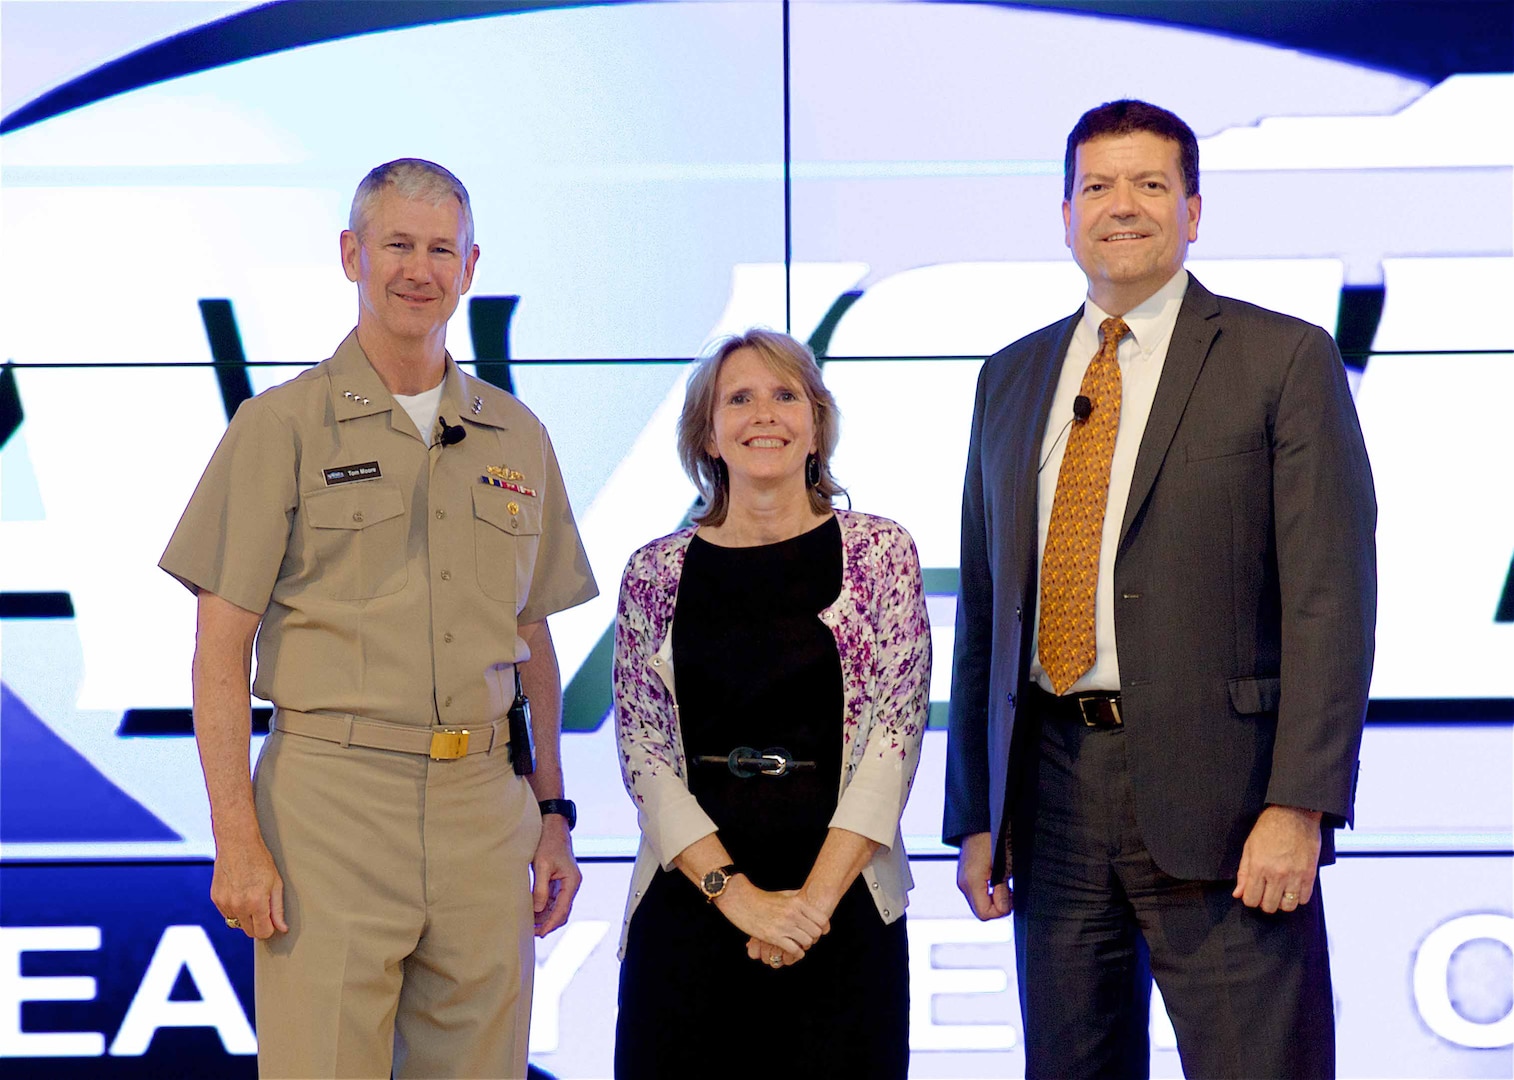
{"points": [[756, 667]]}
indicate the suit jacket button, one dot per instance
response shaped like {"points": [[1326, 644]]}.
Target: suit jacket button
{"points": [[1017, 614], [1010, 697]]}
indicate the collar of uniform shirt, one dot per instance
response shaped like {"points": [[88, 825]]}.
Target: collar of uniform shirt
{"points": [[1151, 321]]}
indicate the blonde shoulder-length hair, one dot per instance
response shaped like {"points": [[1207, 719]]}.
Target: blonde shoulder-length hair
{"points": [[789, 359]]}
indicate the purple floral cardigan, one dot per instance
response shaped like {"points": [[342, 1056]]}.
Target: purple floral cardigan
{"points": [[883, 637]]}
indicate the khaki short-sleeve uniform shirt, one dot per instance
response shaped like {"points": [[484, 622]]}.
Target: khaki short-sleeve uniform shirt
{"points": [[391, 574]]}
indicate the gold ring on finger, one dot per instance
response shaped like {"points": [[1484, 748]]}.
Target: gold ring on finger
{"points": [[1290, 897], [776, 959], [233, 922]]}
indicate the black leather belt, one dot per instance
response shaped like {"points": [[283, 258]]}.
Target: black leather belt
{"points": [[746, 762], [1095, 709]]}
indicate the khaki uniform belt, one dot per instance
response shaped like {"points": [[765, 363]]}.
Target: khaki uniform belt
{"points": [[439, 743]]}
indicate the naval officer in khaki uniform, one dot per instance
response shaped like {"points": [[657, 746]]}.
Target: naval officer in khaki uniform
{"points": [[393, 534]]}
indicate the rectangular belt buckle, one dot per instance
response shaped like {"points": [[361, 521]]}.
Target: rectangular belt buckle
{"points": [[1100, 712], [449, 743]]}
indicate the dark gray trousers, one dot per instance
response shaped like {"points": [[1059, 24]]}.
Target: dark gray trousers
{"points": [[1095, 919]]}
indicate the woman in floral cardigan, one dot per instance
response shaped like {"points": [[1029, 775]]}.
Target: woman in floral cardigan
{"points": [[766, 915]]}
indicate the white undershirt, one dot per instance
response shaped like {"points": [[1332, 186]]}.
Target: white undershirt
{"points": [[1141, 355], [422, 408]]}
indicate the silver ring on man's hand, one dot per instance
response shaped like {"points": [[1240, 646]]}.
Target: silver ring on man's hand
{"points": [[234, 922], [776, 959]]}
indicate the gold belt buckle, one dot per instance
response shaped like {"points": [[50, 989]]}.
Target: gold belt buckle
{"points": [[449, 743]]}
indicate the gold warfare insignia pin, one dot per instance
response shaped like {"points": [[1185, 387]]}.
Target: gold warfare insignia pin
{"points": [[502, 476]]}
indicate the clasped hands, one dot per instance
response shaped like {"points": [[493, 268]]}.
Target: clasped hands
{"points": [[785, 923]]}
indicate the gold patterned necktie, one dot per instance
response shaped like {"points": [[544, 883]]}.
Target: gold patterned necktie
{"points": [[1070, 565]]}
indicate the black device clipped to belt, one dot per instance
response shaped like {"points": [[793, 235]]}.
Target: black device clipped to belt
{"points": [[522, 744]]}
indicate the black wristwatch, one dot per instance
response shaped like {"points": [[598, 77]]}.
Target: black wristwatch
{"points": [[714, 883], [564, 807]]}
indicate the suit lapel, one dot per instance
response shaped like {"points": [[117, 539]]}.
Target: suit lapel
{"points": [[1192, 335], [1043, 369]]}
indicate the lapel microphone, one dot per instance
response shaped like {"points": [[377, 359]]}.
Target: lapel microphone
{"points": [[450, 435], [1082, 409]]}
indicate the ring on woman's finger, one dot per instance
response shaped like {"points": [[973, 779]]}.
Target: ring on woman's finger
{"points": [[776, 959], [1290, 897], [233, 922]]}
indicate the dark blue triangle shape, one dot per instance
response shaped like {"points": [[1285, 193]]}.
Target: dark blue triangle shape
{"points": [[51, 794]]}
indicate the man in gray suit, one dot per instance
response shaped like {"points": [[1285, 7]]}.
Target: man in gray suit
{"points": [[1164, 642]]}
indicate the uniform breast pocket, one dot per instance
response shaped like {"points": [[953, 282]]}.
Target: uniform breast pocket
{"points": [[358, 533], [506, 529]]}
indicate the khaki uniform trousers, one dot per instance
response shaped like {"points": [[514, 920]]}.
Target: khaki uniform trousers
{"points": [[407, 893]]}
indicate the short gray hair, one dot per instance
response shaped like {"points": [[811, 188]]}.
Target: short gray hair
{"points": [[786, 357], [411, 178]]}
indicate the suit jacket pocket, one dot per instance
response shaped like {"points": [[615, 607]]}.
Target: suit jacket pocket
{"points": [[1254, 694], [1245, 443]]}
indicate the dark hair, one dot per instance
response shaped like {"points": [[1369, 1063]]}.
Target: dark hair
{"points": [[1124, 118], [790, 359]]}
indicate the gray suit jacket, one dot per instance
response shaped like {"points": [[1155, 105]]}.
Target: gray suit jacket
{"points": [[1245, 585]]}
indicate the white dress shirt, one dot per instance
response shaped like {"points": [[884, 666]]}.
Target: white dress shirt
{"points": [[1141, 355]]}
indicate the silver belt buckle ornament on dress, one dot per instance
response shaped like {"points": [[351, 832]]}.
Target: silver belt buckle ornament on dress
{"points": [[745, 762]]}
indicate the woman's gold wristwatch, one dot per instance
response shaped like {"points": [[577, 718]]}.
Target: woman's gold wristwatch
{"points": [[714, 883]]}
